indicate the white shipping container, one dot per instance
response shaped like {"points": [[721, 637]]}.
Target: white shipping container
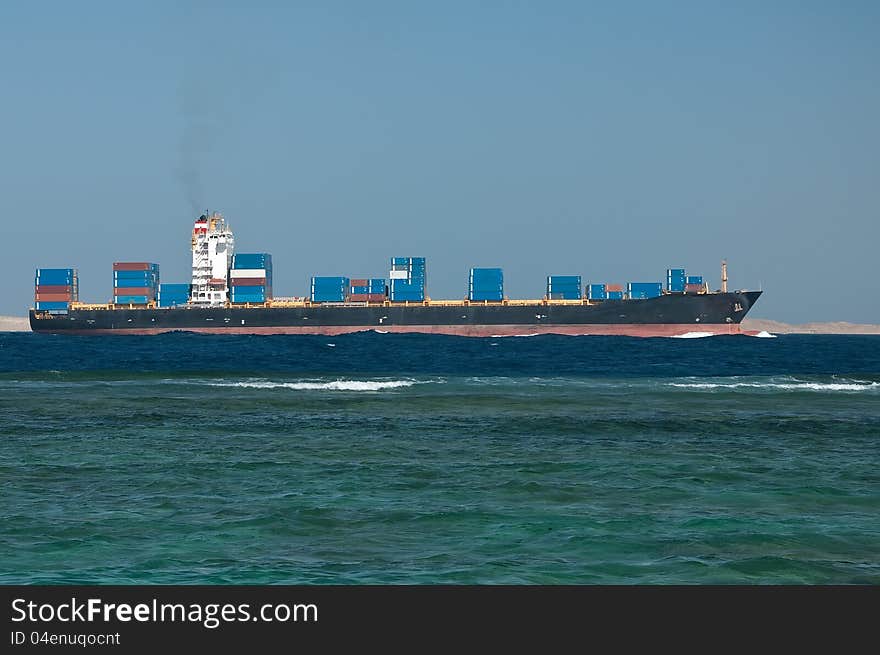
{"points": [[248, 272], [398, 275]]}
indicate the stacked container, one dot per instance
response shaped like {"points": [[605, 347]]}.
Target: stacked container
{"points": [[564, 287], [367, 289], [135, 283], [330, 289], [486, 284], [173, 295], [597, 292], [55, 289], [408, 279], [644, 289], [250, 279], [694, 279], [675, 279], [614, 291]]}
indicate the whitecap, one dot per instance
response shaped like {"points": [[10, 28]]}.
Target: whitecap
{"points": [[693, 335], [334, 385], [782, 386]]}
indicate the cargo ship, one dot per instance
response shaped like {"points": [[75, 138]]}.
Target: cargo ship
{"points": [[232, 293]]}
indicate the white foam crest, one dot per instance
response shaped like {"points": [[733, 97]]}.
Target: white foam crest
{"points": [[763, 334], [693, 335], [784, 386], [334, 385]]}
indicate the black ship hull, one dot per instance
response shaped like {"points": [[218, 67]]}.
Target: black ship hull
{"points": [[667, 315]]}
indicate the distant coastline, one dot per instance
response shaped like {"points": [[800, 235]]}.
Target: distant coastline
{"points": [[20, 324], [14, 324], [838, 327]]}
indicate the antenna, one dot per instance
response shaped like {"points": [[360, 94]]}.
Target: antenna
{"points": [[723, 276]]}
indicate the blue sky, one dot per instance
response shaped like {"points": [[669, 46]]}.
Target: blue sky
{"points": [[609, 140]]}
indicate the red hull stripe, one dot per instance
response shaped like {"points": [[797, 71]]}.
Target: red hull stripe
{"points": [[623, 329]]}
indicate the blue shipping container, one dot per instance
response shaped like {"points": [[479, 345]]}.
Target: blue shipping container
{"points": [[405, 287], [252, 260], [487, 273], [564, 279], [249, 291], [127, 284], [695, 279], [337, 281], [596, 292], [492, 296], [134, 275], [46, 306], [55, 276], [412, 262], [644, 289], [615, 295], [174, 288], [675, 279], [56, 271]]}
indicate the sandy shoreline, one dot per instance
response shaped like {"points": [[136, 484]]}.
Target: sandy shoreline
{"points": [[20, 324]]}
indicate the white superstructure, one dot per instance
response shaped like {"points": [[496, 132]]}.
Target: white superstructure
{"points": [[212, 247]]}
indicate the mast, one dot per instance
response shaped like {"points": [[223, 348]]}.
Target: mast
{"points": [[723, 276]]}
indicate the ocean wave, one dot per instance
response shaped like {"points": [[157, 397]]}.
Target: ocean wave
{"points": [[763, 334], [794, 385], [333, 385], [693, 335]]}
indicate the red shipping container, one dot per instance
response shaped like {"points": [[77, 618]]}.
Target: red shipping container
{"points": [[376, 297], [52, 297], [131, 266], [134, 291], [613, 287], [358, 282], [693, 288], [53, 288], [248, 282], [358, 297]]}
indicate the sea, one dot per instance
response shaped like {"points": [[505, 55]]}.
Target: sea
{"points": [[418, 459]]}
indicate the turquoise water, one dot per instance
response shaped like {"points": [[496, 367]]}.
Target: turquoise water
{"points": [[420, 459]]}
